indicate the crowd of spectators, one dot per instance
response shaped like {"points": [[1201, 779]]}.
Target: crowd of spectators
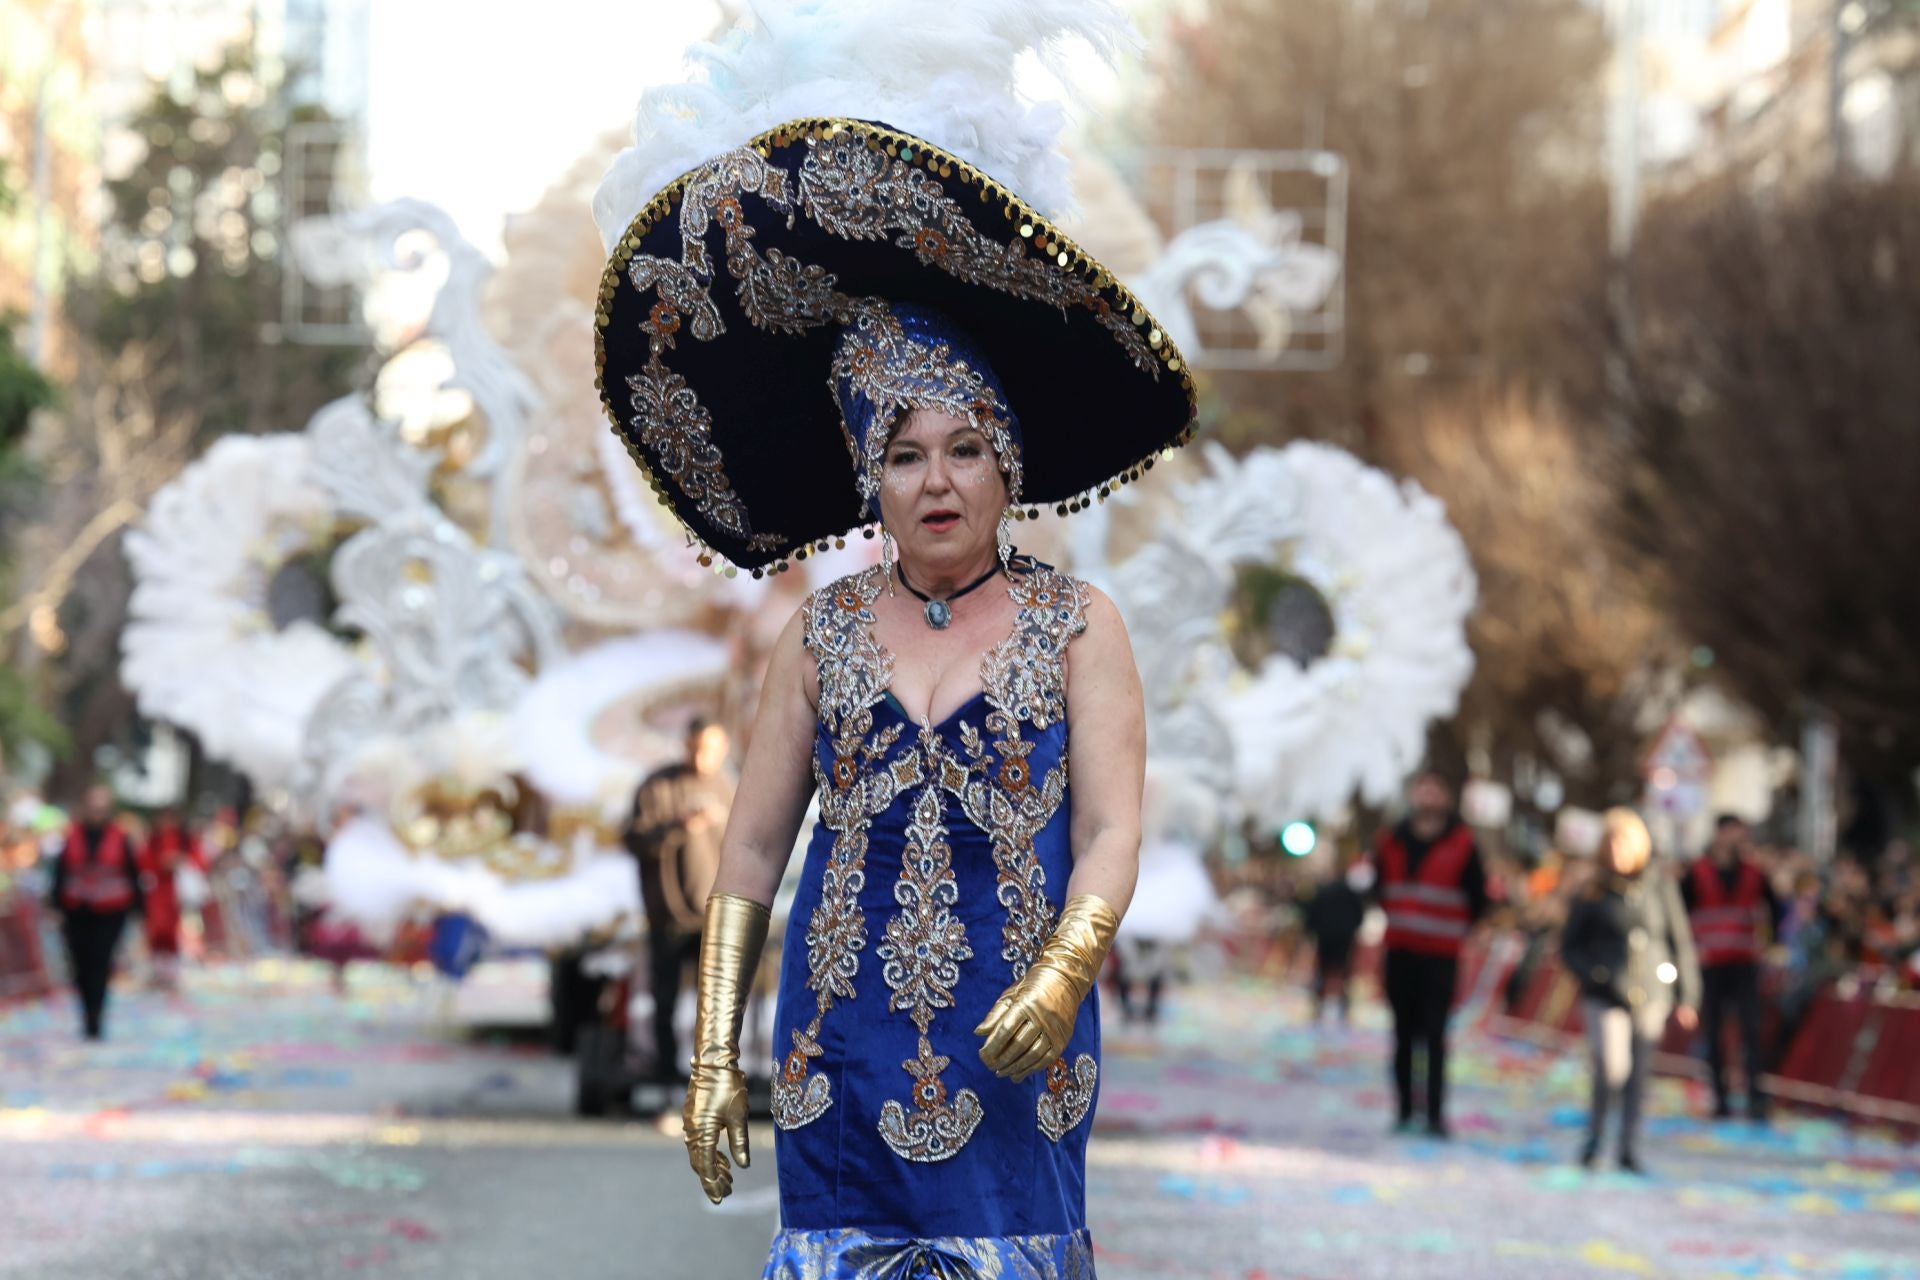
{"points": [[234, 890], [1854, 921]]}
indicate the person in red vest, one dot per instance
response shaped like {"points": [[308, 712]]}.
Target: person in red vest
{"points": [[1734, 912], [1433, 887], [170, 847], [96, 882]]}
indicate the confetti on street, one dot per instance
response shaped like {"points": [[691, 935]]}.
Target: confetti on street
{"points": [[262, 1125]]}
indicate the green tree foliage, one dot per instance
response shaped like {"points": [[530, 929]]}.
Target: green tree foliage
{"points": [[24, 721], [193, 261], [23, 389]]}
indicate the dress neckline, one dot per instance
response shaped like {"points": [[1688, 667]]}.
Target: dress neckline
{"points": [[987, 656]]}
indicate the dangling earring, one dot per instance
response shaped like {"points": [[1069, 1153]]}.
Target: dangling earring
{"points": [[887, 556], [1005, 539]]}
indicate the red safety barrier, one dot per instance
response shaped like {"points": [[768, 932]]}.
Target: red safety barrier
{"points": [[1892, 1068], [1821, 1052], [1858, 1052], [23, 963]]}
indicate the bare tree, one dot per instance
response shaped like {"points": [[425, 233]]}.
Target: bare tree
{"points": [[1775, 451], [1571, 653], [180, 343], [1476, 243], [1471, 128]]}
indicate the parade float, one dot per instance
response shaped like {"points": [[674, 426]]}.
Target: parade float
{"points": [[375, 622], [448, 627], [445, 627]]}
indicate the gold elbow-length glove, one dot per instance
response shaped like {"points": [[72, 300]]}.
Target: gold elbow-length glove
{"points": [[1029, 1025], [730, 942]]}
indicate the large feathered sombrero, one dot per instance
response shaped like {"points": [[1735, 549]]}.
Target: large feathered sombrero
{"points": [[729, 288]]}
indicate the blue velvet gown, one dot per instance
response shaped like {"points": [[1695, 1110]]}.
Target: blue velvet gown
{"points": [[931, 883]]}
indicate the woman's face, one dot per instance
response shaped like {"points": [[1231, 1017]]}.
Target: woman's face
{"points": [[941, 492], [1625, 855]]}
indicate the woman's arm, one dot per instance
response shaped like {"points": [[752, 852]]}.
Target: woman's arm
{"points": [[777, 780], [1030, 1024], [1680, 939], [1107, 733]]}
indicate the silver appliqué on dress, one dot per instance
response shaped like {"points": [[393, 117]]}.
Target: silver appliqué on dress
{"points": [[924, 947]]}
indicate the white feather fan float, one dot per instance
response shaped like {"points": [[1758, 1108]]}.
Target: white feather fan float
{"points": [[1396, 579], [201, 649], [1300, 733]]}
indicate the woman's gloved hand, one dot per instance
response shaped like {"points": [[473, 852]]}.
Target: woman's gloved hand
{"points": [[730, 942], [1030, 1024]]}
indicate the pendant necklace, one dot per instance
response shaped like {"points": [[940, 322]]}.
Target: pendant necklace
{"points": [[940, 612]]}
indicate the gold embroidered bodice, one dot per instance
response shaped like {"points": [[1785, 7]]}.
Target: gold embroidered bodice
{"points": [[946, 809]]}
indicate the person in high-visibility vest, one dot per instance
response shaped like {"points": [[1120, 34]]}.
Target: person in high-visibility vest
{"points": [[96, 883], [170, 847], [1433, 888], [1734, 914]]}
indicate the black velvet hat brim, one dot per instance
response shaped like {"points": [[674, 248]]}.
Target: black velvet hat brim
{"points": [[753, 458]]}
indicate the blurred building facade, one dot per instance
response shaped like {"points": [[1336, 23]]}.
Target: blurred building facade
{"points": [[75, 73], [1780, 90], [49, 167], [315, 54], [316, 49]]}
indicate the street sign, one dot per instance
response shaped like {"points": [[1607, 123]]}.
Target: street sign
{"points": [[1678, 769], [1678, 756]]}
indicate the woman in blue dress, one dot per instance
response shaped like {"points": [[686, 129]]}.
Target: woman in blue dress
{"points": [[837, 324], [937, 1005]]}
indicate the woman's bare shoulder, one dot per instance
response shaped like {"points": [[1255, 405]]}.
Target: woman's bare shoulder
{"points": [[1100, 608], [1100, 620], [792, 669], [1099, 645]]}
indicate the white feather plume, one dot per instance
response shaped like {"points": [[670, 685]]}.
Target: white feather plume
{"points": [[555, 720], [375, 881], [1398, 581], [200, 649], [943, 72]]}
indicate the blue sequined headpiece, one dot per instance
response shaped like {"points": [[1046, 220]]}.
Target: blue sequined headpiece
{"points": [[896, 357]]}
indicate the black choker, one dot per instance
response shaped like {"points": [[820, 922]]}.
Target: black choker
{"points": [[940, 612]]}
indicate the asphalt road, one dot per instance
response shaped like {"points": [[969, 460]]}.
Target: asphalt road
{"points": [[262, 1126]]}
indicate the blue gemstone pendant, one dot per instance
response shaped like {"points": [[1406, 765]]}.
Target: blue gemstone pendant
{"points": [[938, 614]]}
